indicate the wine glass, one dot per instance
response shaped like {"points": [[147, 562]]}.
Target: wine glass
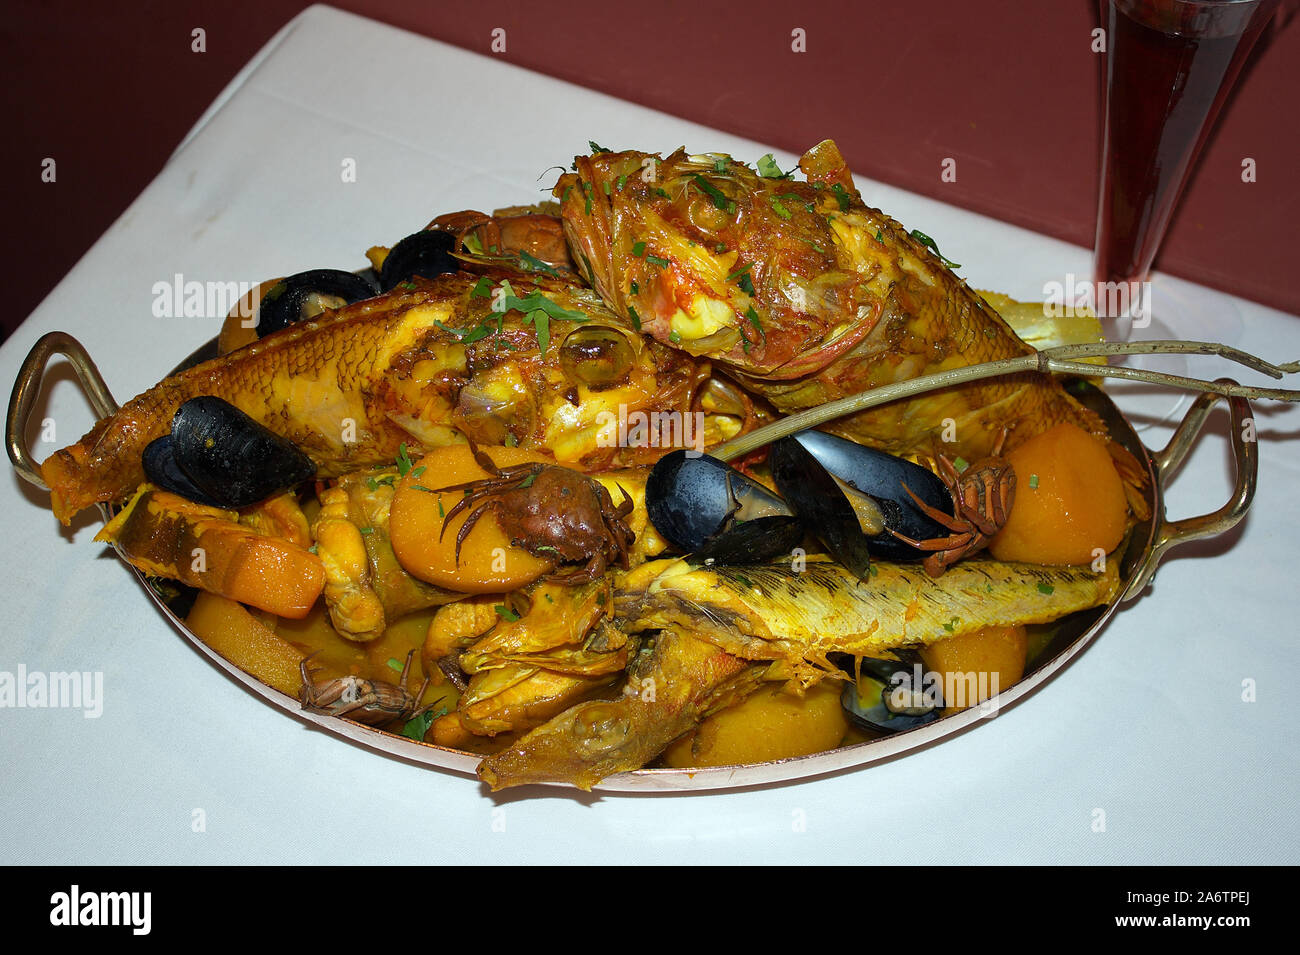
{"points": [[1169, 66]]}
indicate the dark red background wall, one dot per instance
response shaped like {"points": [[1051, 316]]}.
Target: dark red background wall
{"points": [[1008, 88]]}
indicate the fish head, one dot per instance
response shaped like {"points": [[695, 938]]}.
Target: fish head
{"points": [[770, 275], [533, 361]]}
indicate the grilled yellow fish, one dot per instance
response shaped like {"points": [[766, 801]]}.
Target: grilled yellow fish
{"points": [[775, 612], [803, 293], [669, 690], [428, 364], [721, 631]]}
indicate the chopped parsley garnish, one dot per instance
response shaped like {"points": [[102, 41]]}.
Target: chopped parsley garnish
{"points": [[879, 237], [367, 530], [621, 182], [638, 249], [713, 192], [636, 319], [743, 279], [635, 289], [961, 464], [395, 665], [1046, 588], [538, 310], [418, 471], [505, 613], [768, 169], [1033, 480], [674, 337], [746, 283], [417, 726], [469, 335], [777, 207], [655, 260], [403, 460], [951, 625], [586, 198], [755, 321], [482, 288], [842, 195], [595, 148], [534, 264], [928, 242], [720, 164]]}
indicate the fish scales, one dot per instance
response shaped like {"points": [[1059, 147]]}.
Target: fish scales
{"points": [[351, 386], [774, 612]]}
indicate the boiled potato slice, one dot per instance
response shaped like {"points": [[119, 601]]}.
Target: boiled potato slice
{"points": [[769, 724]]}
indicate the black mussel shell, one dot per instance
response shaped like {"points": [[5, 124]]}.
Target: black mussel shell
{"points": [[160, 468], [749, 542], [885, 479], [820, 504], [893, 696], [698, 502], [218, 455], [307, 293], [427, 254]]}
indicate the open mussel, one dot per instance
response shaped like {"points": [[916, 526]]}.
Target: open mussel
{"points": [[426, 254], [854, 499], [816, 498], [889, 696], [307, 294], [875, 484], [219, 456], [712, 511]]}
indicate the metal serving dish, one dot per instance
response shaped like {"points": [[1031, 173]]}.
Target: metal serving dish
{"points": [[1140, 554]]}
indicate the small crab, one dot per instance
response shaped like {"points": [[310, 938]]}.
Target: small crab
{"points": [[982, 495], [550, 511], [373, 702]]}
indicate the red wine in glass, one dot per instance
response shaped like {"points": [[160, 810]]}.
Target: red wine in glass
{"points": [[1170, 64]]}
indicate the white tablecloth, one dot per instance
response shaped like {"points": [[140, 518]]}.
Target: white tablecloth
{"points": [[1142, 751]]}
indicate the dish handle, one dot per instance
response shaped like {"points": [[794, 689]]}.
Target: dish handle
{"points": [[28, 386], [1245, 454]]}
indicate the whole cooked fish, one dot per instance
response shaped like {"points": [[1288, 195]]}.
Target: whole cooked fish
{"points": [[799, 615], [670, 688], [720, 631], [804, 293], [428, 364]]}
